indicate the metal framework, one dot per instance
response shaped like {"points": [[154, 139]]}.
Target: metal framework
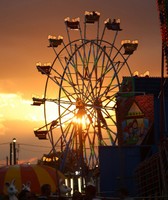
{"points": [[80, 92]]}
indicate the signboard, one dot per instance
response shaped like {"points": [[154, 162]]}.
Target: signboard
{"points": [[135, 116]]}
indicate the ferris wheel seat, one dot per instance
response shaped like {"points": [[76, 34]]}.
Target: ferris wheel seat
{"points": [[130, 47], [37, 101], [91, 17], [41, 134], [113, 26], [73, 25], [44, 69], [55, 42]]}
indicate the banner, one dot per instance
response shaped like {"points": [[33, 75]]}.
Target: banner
{"points": [[135, 117]]}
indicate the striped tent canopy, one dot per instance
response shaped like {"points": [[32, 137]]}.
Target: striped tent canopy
{"points": [[37, 175]]}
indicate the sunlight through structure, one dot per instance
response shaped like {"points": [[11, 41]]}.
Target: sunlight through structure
{"points": [[82, 83]]}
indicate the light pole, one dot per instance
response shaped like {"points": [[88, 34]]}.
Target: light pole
{"points": [[14, 151], [11, 154]]}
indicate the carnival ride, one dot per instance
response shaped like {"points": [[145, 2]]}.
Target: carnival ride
{"points": [[81, 86]]}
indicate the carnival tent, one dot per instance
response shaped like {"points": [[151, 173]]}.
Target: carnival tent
{"points": [[36, 174]]}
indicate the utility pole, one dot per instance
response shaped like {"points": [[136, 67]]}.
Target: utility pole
{"points": [[7, 161], [14, 151], [11, 154], [12, 158]]}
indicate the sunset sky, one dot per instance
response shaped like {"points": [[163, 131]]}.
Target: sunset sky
{"points": [[24, 29]]}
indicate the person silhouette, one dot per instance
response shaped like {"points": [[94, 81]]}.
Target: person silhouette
{"points": [[45, 192]]}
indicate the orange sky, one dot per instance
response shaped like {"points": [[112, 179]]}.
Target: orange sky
{"points": [[24, 28]]}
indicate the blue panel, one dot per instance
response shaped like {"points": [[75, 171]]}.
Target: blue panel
{"points": [[117, 167]]}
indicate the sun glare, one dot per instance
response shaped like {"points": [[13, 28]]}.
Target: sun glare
{"points": [[14, 107], [51, 111], [81, 120]]}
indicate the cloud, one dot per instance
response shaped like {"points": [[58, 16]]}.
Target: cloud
{"points": [[3, 129], [14, 107]]}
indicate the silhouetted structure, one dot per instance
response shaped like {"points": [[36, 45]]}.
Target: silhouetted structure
{"points": [[140, 161]]}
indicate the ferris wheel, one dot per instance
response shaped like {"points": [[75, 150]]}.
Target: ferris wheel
{"points": [[80, 91]]}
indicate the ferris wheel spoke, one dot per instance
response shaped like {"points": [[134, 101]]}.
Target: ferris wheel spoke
{"points": [[59, 79], [114, 76], [102, 74], [111, 89], [88, 58], [82, 63], [70, 91], [98, 76], [120, 65], [68, 133], [81, 72], [109, 115], [61, 142], [67, 153], [78, 84], [93, 62], [105, 49], [124, 62], [66, 110], [73, 77], [84, 72], [66, 93], [106, 71], [115, 63], [77, 72], [108, 86], [92, 156], [65, 83], [103, 59], [67, 71], [90, 74]]}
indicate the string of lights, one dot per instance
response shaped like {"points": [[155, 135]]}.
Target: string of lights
{"points": [[31, 145], [16, 150]]}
